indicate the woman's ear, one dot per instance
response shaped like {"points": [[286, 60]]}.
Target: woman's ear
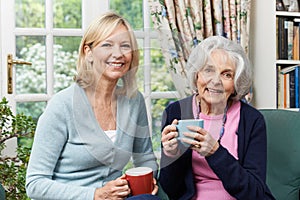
{"points": [[195, 80], [234, 93], [88, 53]]}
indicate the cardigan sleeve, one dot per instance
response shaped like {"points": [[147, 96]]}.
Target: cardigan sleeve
{"points": [[50, 138]]}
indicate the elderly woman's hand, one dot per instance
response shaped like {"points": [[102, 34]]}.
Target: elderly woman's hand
{"points": [[204, 143], [169, 138]]}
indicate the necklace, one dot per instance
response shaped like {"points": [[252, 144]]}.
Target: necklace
{"points": [[223, 123], [224, 119]]}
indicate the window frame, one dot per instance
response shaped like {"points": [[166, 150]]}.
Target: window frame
{"points": [[146, 35]]}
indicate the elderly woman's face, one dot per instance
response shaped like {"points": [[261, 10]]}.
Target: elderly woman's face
{"points": [[215, 81]]}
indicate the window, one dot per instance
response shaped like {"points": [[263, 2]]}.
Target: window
{"points": [[52, 49], [153, 78]]}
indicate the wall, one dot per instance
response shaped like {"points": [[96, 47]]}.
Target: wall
{"points": [[263, 52]]}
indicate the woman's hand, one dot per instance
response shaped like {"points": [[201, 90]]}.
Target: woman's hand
{"points": [[155, 187], [169, 140], [114, 190], [203, 141]]}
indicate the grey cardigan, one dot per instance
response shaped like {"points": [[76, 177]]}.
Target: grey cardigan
{"points": [[71, 154]]}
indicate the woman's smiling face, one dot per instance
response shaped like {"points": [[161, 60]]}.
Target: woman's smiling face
{"points": [[215, 81], [112, 57]]}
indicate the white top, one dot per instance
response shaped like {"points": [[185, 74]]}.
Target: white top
{"points": [[112, 134]]}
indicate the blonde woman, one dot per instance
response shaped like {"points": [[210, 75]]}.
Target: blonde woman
{"points": [[90, 130]]}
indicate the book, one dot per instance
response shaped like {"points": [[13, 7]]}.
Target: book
{"points": [[288, 69], [279, 5], [297, 88], [290, 38], [292, 89], [282, 38], [285, 39], [284, 90], [279, 88], [277, 45], [296, 38], [287, 90]]}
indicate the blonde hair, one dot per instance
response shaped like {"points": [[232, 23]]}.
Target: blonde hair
{"points": [[100, 29]]}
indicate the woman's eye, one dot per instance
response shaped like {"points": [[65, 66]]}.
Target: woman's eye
{"points": [[106, 45], [227, 75], [125, 46], [208, 70]]}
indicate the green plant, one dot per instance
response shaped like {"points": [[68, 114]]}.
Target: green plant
{"points": [[13, 168]]}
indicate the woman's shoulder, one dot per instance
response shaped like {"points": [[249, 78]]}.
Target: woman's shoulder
{"points": [[250, 111], [67, 90], [180, 109], [180, 103], [134, 102], [134, 98], [63, 97]]}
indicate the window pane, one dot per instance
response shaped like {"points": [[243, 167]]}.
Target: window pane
{"points": [[67, 14], [30, 13], [140, 73], [130, 10], [33, 109], [158, 105], [31, 79], [161, 79], [65, 58]]}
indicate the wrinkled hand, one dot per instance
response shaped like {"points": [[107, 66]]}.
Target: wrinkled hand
{"points": [[203, 141], [114, 190], [168, 138]]}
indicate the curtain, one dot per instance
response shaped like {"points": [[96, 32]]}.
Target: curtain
{"points": [[182, 24]]}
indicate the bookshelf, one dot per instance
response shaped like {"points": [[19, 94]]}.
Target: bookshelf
{"points": [[287, 59], [263, 52]]}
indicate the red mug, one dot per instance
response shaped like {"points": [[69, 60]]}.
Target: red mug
{"points": [[140, 180]]}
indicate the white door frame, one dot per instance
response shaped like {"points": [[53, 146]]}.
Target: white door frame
{"points": [[7, 41]]}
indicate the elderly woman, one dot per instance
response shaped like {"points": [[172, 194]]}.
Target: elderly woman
{"points": [[226, 159]]}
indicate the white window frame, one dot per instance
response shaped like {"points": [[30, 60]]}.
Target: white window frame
{"points": [[147, 35]]}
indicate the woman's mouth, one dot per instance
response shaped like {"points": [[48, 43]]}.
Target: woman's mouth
{"points": [[214, 90], [115, 64]]}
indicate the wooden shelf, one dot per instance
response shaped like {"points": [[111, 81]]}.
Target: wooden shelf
{"points": [[288, 62], [287, 14]]}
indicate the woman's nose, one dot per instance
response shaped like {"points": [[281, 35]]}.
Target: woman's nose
{"points": [[117, 52], [216, 78]]}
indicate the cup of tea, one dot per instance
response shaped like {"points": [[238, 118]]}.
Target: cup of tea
{"points": [[182, 127], [140, 180]]}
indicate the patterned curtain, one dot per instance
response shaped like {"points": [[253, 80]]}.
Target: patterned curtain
{"points": [[182, 24]]}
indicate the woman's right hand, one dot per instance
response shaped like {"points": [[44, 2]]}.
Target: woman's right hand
{"points": [[113, 190], [169, 138]]}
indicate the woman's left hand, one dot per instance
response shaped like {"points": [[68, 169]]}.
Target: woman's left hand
{"points": [[203, 141]]}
